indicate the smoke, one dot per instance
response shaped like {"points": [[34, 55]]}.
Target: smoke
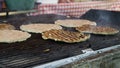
{"points": [[104, 18]]}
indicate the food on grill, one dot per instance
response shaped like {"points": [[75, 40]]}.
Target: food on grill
{"points": [[10, 36], [85, 28], [39, 28], [74, 23], [65, 36], [6, 27], [97, 29]]}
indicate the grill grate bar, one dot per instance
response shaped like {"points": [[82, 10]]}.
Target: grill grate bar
{"points": [[22, 61], [15, 61], [7, 59], [25, 61]]}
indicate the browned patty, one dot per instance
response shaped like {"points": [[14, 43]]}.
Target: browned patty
{"points": [[6, 27], [65, 36], [97, 30]]}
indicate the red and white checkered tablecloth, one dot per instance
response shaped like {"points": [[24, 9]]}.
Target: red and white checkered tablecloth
{"points": [[75, 9]]}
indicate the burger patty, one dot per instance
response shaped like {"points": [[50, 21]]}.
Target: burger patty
{"points": [[6, 27], [39, 28], [65, 36], [74, 23], [11, 36], [97, 30]]}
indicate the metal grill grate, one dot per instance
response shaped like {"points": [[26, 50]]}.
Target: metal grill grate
{"points": [[36, 51]]}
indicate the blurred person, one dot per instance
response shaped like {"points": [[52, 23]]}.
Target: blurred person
{"points": [[65, 1]]}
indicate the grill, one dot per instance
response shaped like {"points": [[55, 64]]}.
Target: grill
{"points": [[36, 51]]}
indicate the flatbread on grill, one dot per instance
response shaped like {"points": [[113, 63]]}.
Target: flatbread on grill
{"points": [[10, 36], [74, 23], [97, 30], [65, 36], [39, 28], [6, 27]]}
